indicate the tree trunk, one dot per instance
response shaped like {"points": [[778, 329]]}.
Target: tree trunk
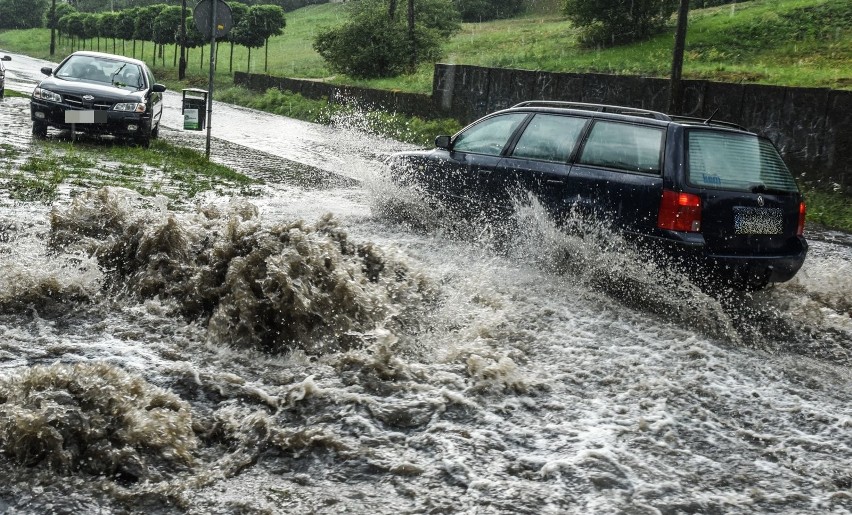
{"points": [[266, 57], [174, 61], [248, 69], [231, 61], [413, 59], [202, 57], [134, 49]]}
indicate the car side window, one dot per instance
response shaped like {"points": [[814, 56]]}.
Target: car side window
{"points": [[489, 136], [550, 138], [635, 148]]}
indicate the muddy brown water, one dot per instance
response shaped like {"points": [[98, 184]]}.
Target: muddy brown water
{"points": [[334, 344]]}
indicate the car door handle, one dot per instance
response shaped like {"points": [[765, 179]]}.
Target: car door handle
{"points": [[555, 181], [483, 171]]}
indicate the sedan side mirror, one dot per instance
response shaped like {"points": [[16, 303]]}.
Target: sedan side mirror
{"points": [[443, 142], [7, 58], [47, 70], [158, 88]]}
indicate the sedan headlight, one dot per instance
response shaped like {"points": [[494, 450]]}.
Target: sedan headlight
{"points": [[43, 94], [130, 107]]}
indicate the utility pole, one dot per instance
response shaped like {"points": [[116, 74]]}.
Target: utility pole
{"points": [[676, 86], [53, 27], [182, 65]]}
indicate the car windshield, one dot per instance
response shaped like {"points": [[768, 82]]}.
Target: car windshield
{"points": [[726, 160], [86, 68]]}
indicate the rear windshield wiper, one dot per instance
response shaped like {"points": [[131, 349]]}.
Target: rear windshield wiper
{"points": [[762, 188]]}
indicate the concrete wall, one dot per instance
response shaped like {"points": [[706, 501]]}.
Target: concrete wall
{"points": [[811, 127]]}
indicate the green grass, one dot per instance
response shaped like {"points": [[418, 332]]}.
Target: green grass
{"points": [[12, 93], [829, 208], [176, 172]]}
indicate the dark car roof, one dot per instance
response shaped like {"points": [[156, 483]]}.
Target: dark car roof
{"points": [[110, 56], [632, 114]]}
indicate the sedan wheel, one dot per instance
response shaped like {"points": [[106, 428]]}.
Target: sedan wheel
{"points": [[39, 130]]}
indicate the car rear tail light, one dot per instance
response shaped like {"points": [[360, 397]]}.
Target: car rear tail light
{"points": [[680, 212], [800, 229]]}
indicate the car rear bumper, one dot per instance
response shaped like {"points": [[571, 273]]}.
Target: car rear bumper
{"points": [[117, 122], [747, 270]]}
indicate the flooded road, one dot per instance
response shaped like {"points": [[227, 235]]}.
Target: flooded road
{"points": [[334, 345]]}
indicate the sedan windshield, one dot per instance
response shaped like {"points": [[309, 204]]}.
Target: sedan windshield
{"points": [[86, 68]]}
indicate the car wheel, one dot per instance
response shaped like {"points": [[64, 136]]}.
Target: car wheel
{"points": [[144, 139], [156, 132], [39, 130], [2, 92]]}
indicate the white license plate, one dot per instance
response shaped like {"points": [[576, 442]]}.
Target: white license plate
{"points": [[85, 116], [758, 220]]}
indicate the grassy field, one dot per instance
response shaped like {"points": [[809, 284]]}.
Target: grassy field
{"points": [[783, 42]]}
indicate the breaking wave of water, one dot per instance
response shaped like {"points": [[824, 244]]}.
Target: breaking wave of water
{"points": [[282, 287]]}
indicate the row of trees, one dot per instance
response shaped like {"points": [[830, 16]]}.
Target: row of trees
{"points": [[160, 24]]}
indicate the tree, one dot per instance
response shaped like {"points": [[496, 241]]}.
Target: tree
{"points": [[613, 22], [52, 16], [22, 14], [108, 27], [90, 28], [247, 33], [375, 42], [124, 28], [194, 39], [267, 21], [484, 10], [238, 12], [143, 26], [74, 26], [167, 26]]}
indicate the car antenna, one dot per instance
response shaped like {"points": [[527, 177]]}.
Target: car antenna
{"points": [[708, 120]]}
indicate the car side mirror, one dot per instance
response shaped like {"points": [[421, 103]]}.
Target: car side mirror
{"points": [[47, 70], [443, 142], [158, 88], [7, 58]]}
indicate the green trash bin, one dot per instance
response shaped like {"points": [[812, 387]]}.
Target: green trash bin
{"points": [[194, 108]]}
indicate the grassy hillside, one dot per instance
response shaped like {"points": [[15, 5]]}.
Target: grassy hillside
{"points": [[785, 42]]}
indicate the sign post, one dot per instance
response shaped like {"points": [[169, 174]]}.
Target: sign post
{"points": [[212, 19]]}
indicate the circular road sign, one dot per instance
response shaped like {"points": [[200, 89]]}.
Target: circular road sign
{"points": [[201, 16]]}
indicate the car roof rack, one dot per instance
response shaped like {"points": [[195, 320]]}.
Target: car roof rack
{"points": [[602, 108], [708, 121]]}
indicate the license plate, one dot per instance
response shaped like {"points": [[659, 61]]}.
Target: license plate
{"points": [[758, 220], [85, 116]]}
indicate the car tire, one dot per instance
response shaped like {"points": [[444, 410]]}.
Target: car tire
{"points": [[39, 130], [144, 139], [2, 92], [155, 133]]}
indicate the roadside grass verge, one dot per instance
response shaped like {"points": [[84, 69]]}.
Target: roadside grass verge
{"points": [[409, 129], [831, 209], [12, 93], [50, 168]]}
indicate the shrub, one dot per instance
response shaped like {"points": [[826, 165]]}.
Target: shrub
{"points": [[613, 22], [373, 43]]}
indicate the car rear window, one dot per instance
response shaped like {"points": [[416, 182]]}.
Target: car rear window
{"points": [[744, 162], [635, 148], [550, 138]]}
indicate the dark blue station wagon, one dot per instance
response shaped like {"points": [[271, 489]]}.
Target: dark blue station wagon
{"points": [[712, 194]]}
